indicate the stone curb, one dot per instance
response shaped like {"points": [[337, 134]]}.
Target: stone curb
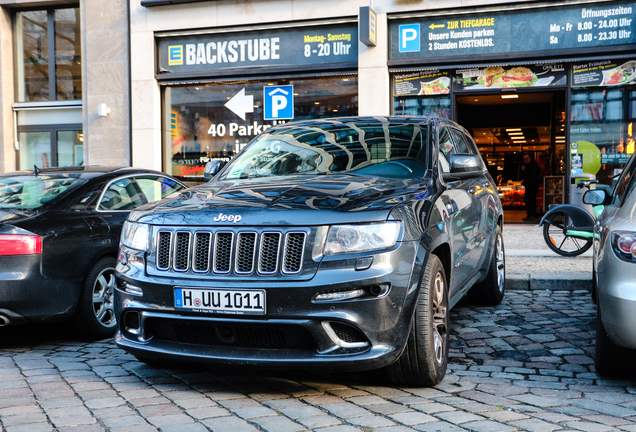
{"points": [[565, 281]]}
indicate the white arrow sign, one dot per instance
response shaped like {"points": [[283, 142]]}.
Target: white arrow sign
{"points": [[241, 104]]}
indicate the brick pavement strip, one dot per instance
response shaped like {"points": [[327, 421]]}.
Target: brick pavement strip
{"points": [[524, 365]]}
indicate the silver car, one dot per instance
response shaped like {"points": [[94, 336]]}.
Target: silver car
{"points": [[614, 274]]}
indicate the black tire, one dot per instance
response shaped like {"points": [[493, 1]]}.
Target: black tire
{"points": [[593, 291], [425, 357], [610, 359], [492, 289], [95, 315], [560, 243]]}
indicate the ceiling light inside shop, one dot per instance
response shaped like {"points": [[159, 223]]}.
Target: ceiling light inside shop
{"points": [[511, 96], [515, 133], [560, 141], [520, 142], [476, 100], [345, 79], [513, 130], [317, 103]]}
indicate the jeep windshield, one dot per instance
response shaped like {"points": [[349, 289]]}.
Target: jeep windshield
{"points": [[370, 149]]}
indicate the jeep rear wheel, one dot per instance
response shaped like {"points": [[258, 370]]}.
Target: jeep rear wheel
{"points": [[425, 357], [490, 291]]}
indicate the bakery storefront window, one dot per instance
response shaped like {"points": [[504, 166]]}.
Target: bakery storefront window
{"points": [[211, 121], [602, 113]]}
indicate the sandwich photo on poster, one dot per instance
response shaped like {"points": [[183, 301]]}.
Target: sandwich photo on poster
{"points": [[497, 77], [425, 83]]}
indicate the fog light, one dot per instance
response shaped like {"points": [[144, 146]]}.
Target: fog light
{"points": [[341, 295]]}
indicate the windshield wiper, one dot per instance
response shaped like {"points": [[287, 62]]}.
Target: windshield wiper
{"points": [[349, 173]]}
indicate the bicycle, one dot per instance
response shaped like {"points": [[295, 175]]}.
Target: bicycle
{"points": [[568, 229]]}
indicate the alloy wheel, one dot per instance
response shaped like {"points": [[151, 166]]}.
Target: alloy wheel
{"points": [[501, 264], [103, 293], [440, 311]]}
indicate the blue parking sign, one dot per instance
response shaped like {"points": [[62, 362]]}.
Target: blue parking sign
{"points": [[409, 37], [279, 102]]}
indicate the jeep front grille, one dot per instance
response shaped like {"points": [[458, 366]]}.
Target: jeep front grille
{"points": [[229, 252]]}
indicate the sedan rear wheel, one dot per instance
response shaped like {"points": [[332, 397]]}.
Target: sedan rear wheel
{"points": [[95, 314], [425, 357]]}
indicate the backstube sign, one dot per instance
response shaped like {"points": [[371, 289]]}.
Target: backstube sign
{"points": [[335, 46]]}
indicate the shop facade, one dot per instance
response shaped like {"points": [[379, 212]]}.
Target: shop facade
{"points": [[552, 80], [59, 61]]}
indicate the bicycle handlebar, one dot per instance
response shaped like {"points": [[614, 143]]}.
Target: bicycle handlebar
{"points": [[585, 183]]}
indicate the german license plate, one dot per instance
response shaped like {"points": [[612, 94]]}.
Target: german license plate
{"points": [[225, 301]]}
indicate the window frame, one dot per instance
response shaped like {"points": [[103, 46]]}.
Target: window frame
{"points": [[19, 68], [53, 130]]}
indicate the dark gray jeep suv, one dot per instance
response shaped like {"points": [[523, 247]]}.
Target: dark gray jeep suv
{"points": [[336, 244]]}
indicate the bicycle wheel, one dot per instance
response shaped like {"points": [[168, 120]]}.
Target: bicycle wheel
{"points": [[556, 239]]}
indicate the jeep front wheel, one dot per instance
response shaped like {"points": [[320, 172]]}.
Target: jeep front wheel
{"points": [[425, 357]]}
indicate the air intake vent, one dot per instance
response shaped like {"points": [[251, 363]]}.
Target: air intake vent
{"points": [[182, 251], [164, 239], [293, 257], [201, 260], [245, 251], [268, 263], [223, 252]]}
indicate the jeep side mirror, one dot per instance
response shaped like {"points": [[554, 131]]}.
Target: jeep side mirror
{"points": [[597, 197], [212, 168], [463, 166]]}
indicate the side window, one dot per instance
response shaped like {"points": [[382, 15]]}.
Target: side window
{"points": [[460, 143], [156, 188], [623, 186], [445, 149], [123, 194]]}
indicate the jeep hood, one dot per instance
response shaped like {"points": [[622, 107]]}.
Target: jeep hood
{"points": [[291, 200]]}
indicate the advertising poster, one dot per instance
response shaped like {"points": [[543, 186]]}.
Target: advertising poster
{"points": [[497, 77], [427, 83], [603, 73], [552, 191], [577, 164]]}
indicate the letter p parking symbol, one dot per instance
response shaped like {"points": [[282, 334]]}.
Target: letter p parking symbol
{"points": [[409, 37], [279, 102]]}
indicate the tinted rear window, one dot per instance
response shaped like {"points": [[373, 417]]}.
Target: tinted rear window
{"points": [[31, 192]]}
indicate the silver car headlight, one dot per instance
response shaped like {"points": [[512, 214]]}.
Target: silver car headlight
{"points": [[136, 236], [361, 238]]}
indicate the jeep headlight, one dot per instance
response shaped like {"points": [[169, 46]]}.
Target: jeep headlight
{"points": [[361, 238], [136, 235]]}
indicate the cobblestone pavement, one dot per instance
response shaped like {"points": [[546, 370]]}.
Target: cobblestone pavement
{"points": [[524, 365]]}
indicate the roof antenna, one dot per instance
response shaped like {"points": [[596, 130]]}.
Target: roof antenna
{"points": [[36, 171]]}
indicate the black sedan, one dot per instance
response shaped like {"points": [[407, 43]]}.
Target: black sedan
{"points": [[59, 235]]}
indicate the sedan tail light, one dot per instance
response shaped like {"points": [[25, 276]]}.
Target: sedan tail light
{"points": [[11, 244], [624, 245]]}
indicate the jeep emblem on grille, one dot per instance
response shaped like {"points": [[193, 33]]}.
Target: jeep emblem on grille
{"points": [[228, 218]]}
